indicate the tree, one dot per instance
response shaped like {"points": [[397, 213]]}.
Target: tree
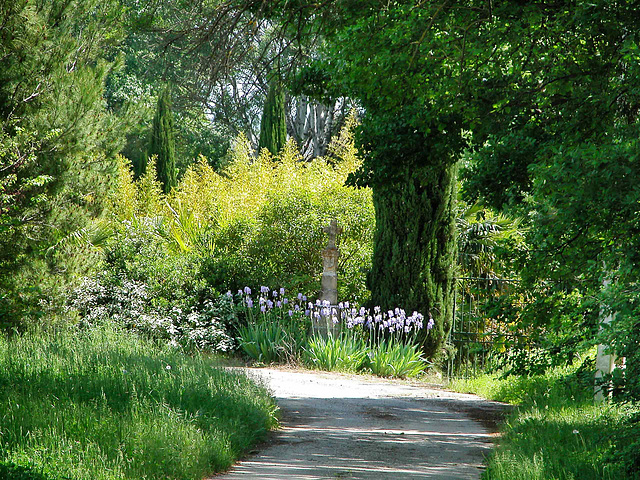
{"points": [[558, 145], [56, 142], [407, 67], [163, 143], [273, 129]]}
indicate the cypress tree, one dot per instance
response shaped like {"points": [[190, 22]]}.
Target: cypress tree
{"points": [[163, 143], [415, 247], [273, 129]]}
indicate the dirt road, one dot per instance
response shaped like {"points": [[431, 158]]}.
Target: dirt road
{"points": [[355, 427]]}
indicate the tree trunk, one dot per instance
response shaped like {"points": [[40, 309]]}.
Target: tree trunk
{"points": [[415, 249]]}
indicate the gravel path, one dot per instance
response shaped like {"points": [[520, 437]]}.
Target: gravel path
{"points": [[356, 427]]}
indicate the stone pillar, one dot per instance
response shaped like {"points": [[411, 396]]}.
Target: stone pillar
{"points": [[329, 285], [605, 362], [330, 257], [329, 290]]}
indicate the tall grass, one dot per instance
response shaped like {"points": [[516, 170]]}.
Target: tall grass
{"points": [[556, 432], [103, 404]]}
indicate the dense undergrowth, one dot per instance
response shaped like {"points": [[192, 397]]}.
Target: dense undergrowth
{"points": [[103, 404], [556, 431]]}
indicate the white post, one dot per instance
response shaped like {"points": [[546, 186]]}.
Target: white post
{"points": [[605, 363]]}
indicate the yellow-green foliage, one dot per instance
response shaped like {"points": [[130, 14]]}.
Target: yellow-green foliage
{"points": [[261, 218], [123, 199], [130, 199]]}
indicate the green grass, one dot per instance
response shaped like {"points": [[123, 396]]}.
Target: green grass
{"points": [[557, 432], [108, 405]]}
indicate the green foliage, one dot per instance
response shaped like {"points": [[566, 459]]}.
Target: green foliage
{"points": [[163, 143], [558, 145], [395, 359], [411, 138], [11, 471], [264, 343], [343, 352], [106, 405], [274, 329], [57, 141], [487, 242], [415, 250], [259, 221], [557, 431], [273, 129], [133, 90], [552, 386], [146, 287], [267, 216]]}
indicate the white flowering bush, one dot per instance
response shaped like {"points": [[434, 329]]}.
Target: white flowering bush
{"points": [[146, 288], [116, 299]]}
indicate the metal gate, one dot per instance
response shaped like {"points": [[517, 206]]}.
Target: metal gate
{"points": [[481, 324]]}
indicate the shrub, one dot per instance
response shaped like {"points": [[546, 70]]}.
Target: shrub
{"points": [[267, 214], [115, 297], [259, 220], [275, 329]]}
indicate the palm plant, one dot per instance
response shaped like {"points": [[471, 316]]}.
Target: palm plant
{"points": [[480, 232]]}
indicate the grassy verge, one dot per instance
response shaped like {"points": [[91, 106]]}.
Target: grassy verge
{"points": [[108, 405], [557, 432]]}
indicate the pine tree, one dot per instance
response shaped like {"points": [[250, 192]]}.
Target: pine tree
{"points": [[163, 143], [57, 144], [273, 129]]}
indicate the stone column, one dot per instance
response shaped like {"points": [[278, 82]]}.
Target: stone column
{"points": [[330, 265], [329, 285], [330, 275], [605, 362]]}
